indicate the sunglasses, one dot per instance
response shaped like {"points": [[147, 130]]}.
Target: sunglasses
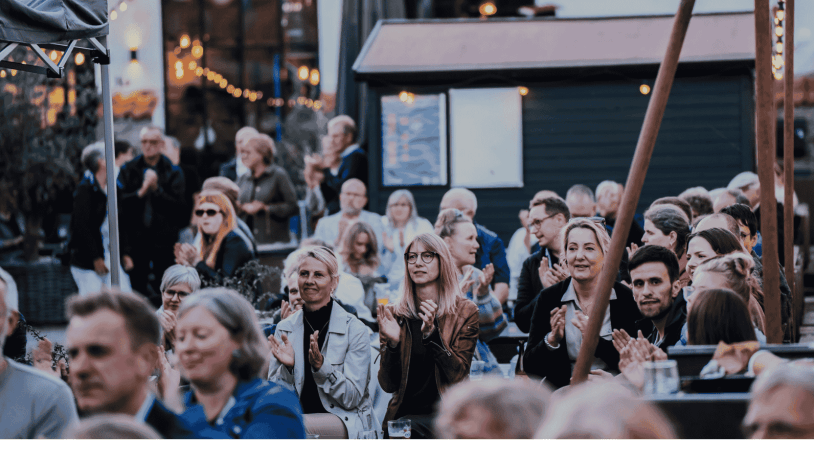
{"points": [[208, 212]]}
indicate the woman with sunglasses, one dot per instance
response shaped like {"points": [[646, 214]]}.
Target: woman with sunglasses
{"points": [[428, 337], [560, 317], [222, 251]]}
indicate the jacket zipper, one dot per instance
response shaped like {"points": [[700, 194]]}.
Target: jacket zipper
{"points": [[443, 347]]}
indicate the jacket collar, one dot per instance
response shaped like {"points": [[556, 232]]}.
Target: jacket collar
{"points": [[571, 294]]}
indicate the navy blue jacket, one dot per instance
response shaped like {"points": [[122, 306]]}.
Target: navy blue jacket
{"points": [[491, 250], [233, 254], [354, 165], [89, 211], [262, 410]]}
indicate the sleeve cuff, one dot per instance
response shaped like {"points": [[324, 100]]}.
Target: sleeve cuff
{"points": [[326, 372]]}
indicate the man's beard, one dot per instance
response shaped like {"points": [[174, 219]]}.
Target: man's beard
{"points": [[662, 314], [351, 211]]}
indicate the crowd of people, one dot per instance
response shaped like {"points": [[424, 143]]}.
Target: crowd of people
{"points": [[336, 361]]}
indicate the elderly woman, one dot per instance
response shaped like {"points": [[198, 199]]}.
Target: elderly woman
{"points": [[460, 235], [223, 354], [324, 351], [401, 224], [222, 251], [561, 315], [178, 282], [667, 226], [267, 197], [428, 338]]}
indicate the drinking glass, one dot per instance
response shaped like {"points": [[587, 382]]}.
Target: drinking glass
{"points": [[661, 377], [476, 370], [382, 291], [399, 429]]}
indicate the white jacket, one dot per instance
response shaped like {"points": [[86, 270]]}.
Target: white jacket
{"points": [[342, 381]]}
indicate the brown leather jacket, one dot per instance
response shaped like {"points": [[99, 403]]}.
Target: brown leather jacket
{"points": [[459, 334]]}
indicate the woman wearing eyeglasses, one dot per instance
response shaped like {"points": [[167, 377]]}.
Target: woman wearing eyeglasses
{"points": [[178, 282], [560, 317], [222, 251], [428, 337]]}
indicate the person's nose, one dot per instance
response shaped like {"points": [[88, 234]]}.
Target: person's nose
{"points": [[80, 366]]}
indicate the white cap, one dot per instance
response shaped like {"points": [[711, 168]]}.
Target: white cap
{"points": [[12, 300], [743, 180]]}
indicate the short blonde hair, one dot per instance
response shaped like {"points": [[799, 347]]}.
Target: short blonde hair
{"points": [[262, 144], [347, 123], [244, 133], [320, 253], [599, 230]]}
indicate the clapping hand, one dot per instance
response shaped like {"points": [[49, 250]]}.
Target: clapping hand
{"points": [[581, 322], [485, 279], [550, 276], [186, 254], [389, 329], [620, 339], [170, 379], [168, 320], [557, 325], [632, 250], [467, 281], [285, 310], [427, 311], [314, 355], [282, 351]]}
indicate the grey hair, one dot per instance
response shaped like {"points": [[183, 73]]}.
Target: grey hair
{"points": [[744, 181], [783, 374], [91, 155], [347, 123], [669, 218], [515, 407], [580, 189], [320, 253], [237, 315], [149, 128], [740, 198], [12, 298], [606, 185], [397, 195], [178, 274]]}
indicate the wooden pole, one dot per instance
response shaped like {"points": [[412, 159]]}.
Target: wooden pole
{"points": [[766, 120], [635, 180], [788, 154]]}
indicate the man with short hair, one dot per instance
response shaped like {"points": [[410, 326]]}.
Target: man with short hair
{"points": [[490, 247], [581, 201], [699, 200], [353, 200], [608, 199], [727, 198], [543, 268], [152, 204], [343, 159], [124, 153], [747, 224], [113, 343], [33, 404], [654, 275], [782, 404]]}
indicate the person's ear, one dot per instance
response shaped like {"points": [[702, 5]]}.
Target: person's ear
{"points": [[364, 201], [13, 319], [675, 289], [147, 358], [673, 238]]}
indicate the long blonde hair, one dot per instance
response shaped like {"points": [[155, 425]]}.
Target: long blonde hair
{"points": [[448, 290], [371, 256], [209, 249]]}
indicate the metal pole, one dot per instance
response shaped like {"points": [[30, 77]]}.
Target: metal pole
{"points": [[638, 171], [110, 160], [788, 153], [765, 130]]}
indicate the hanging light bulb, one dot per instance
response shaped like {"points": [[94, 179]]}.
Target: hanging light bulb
{"points": [[184, 41], [199, 71], [778, 31], [523, 90], [79, 59], [779, 47], [314, 78], [123, 6], [53, 55], [487, 9], [302, 73], [113, 15], [223, 83]]}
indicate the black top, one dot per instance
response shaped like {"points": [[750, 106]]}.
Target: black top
{"points": [[675, 322], [354, 165], [89, 212], [229, 169], [555, 365], [167, 423], [528, 286], [233, 254], [421, 389], [309, 398]]}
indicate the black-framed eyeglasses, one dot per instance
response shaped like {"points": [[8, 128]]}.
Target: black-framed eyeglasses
{"points": [[537, 223], [426, 257], [208, 212], [169, 293]]}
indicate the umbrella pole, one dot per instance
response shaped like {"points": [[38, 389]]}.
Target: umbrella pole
{"points": [[765, 132], [110, 160], [788, 155], [635, 181]]}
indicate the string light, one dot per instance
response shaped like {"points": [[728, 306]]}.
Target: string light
{"points": [[523, 90], [487, 9], [777, 58]]}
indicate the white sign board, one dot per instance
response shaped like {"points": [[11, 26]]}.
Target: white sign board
{"points": [[486, 137]]}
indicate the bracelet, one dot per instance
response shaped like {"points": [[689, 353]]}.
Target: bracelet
{"points": [[548, 344]]}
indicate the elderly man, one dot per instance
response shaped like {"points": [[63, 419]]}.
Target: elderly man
{"points": [[113, 345], [352, 201], [490, 247], [748, 184], [608, 200], [152, 212], [543, 268], [33, 404], [580, 200], [342, 160], [782, 404]]}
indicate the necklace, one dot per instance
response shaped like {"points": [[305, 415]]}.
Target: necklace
{"points": [[321, 330]]}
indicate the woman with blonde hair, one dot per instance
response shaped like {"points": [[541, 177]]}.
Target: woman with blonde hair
{"points": [[324, 352], [222, 251], [267, 198], [561, 314], [360, 252], [428, 337], [401, 224]]}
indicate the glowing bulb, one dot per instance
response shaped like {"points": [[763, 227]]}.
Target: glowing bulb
{"points": [[253, 97], [197, 51], [644, 89], [185, 41], [53, 55], [210, 76], [218, 78], [778, 76], [487, 9], [778, 31], [779, 47], [404, 96], [13, 73], [781, 15], [206, 71], [123, 6], [179, 65], [223, 83], [237, 92], [79, 59], [317, 105], [199, 71], [259, 95], [523, 90], [303, 73], [193, 65], [179, 73], [2, 74], [113, 15], [230, 89], [314, 80]]}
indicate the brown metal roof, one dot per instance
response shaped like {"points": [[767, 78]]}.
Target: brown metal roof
{"points": [[399, 46]]}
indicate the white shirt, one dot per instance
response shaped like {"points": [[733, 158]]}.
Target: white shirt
{"points": [[516, 254], [573, 336], [142, 413], [240, 168]]}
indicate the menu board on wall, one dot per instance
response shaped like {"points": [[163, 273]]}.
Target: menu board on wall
{"points": [[414, 140]]}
